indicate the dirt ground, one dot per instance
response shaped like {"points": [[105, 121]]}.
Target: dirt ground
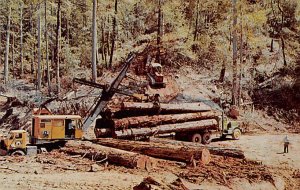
{"points": [[271, 170], [268, 148]]}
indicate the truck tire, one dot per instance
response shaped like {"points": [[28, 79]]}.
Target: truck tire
{"points": [[18, 153], [206, 138], [196, 138], [236, 134]]}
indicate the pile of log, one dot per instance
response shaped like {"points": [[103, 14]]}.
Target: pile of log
{"points": [[100, 153], [136, 119], [214, 150], [189, 155]]}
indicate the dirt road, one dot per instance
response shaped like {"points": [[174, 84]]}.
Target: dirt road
{"points": [[269, 149]]}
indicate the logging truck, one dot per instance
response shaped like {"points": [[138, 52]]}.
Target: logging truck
{"points": [[195, 127]]}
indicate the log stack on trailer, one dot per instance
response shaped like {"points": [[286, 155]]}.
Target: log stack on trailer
{"points": [[192, 121]]}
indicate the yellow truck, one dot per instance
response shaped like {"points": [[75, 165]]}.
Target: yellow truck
{"points": [[46, 131]]}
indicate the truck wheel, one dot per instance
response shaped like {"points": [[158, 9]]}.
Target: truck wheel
{"points": [[196, 138], [206, 138], [18, 153], [236, 134]]}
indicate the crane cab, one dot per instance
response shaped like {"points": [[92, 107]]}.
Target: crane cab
{"points": [[48, 128]]}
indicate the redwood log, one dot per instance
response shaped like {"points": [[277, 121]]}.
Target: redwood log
{"points": [[112, 155], [150, 121], [168, 128], [158, 150], [221, 151], [166, 108]]}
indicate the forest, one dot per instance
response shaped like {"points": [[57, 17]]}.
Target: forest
{"points": [[240, 57]]}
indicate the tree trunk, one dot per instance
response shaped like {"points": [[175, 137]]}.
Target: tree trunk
{"points": [[94, 49], [197, 19], [234, 66], [220, 151], [222, 73], [33, 45], [272, 50], [21, 38], [39, 77], [149, 121], [114, 34], [168, 128], [158, 58], [47, 56], [112, 155], [161, 150], [57, 54], [13, 55], [166, 108], [6, 70], [241, 61], [283, 51]]}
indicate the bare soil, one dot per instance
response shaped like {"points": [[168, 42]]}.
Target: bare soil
{"points": [[265, 167]]}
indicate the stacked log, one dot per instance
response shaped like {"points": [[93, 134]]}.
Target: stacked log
{"points": [[112, 155], [168, 128], [166, 108], [149, 121], [166, 118], [159, 150]]}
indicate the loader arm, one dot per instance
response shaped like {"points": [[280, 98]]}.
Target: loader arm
{"points": [[107, 93]]}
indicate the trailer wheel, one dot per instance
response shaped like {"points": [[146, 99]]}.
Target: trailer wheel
{"points": [[236, 134], [206, 138], [18, 153], [196, 138]]}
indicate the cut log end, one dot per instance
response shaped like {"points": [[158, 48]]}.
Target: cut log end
{"points": [[205, 157]]}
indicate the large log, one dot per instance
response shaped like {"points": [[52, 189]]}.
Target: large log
{"points": [[221, 151], [150, 121], [166, 108], [168, 128], [112, 155], [159, 150]]}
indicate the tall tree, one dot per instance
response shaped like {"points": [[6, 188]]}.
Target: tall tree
{"points": [[6, 70], [158, 59], [234, 57], [94, 50], [47, 56], [21, 37], [197, 20], [39, 75], [57, 52], [114, 34]]}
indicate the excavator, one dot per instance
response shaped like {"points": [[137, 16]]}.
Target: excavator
{"points": [[48, 129]]}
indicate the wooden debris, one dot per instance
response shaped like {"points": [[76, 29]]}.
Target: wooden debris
{"points": [[160, 150], [185, 185], [95, 168]]}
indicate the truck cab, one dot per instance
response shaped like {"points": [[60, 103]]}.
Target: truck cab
{"points": [[15, 143], [229, 128]]}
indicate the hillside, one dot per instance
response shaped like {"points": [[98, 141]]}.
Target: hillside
{"points": [[230, 55]]}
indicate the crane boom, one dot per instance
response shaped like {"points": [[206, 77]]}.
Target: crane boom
{"points": [[106, 95]]}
